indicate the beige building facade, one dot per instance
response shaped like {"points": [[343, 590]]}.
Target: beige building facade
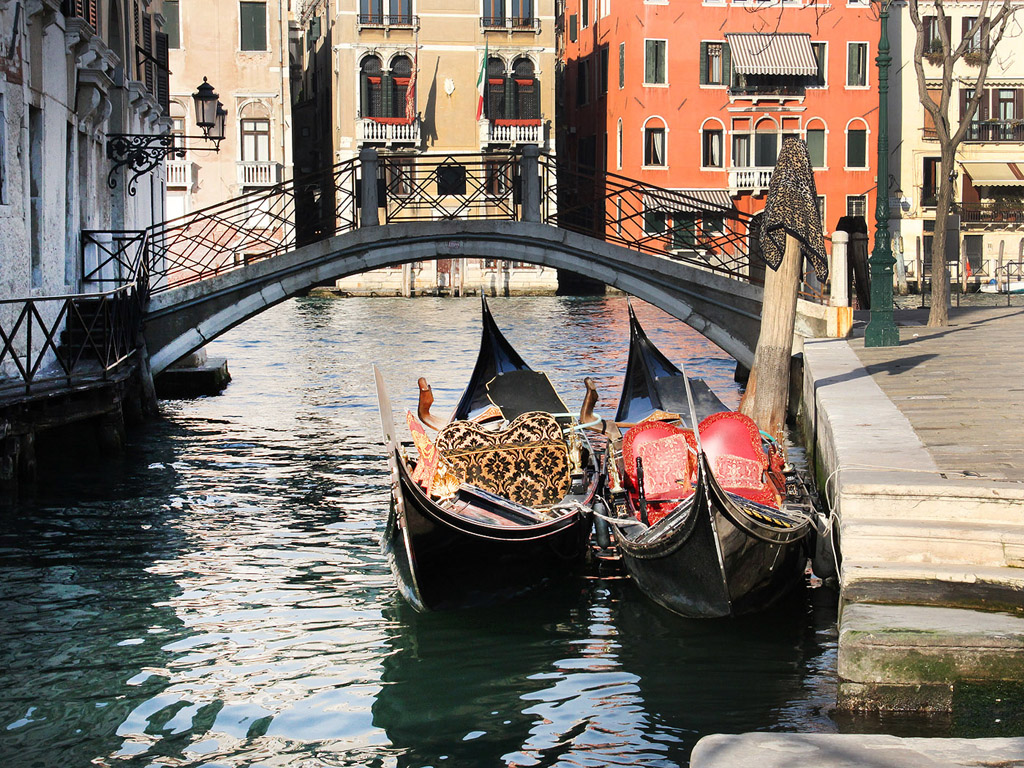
{"points": [[988, 177], [419, 80], [241, 48]]}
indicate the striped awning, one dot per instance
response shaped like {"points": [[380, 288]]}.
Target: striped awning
{"points": [[688, 200], [781, 54], [995, 174]]}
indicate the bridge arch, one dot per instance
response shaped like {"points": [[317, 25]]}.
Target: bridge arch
{"points": [[181, 320]]}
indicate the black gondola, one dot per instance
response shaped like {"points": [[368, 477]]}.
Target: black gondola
{"points": [[708, 552], [474, 546]]}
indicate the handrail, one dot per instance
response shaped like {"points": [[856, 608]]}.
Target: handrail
{"points": [[78, 337]]}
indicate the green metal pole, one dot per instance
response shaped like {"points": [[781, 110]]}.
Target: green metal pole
{"points": [[881, 330]]}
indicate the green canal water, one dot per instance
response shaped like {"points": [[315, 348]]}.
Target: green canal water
{"points": [[218, 596]]}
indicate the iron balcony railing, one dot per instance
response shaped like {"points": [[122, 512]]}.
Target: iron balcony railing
{"points": [[510, 23], [990, 213], [388, 21], [986, 130], [68, 340]]}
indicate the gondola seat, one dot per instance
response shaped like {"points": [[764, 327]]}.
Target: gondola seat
{"points": [[732, 444], [526, 462], [667, 454]]}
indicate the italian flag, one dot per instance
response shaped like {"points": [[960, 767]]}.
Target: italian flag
{"points": [[481, 85]]}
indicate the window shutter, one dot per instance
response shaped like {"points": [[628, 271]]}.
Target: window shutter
{"points": [[163, 90], [851, 64], [1018, 104], [147, 46], [726, 65], [650, 52], [573, 22], [622, 65], [703, 63]]}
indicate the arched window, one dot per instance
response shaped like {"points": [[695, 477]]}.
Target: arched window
{"points": [[401, 71], [655, 143], [371, 101], [815, 138], [766, 144], [712, 145], [254, 128], [495, 102], [524, 85], [857, 144]]}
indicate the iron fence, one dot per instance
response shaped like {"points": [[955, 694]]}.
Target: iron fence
{"points": [[69, 339]]}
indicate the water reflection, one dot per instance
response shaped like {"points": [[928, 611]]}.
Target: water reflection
{"points": [[218, 596]]}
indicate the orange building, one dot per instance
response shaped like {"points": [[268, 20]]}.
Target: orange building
{"points": [[697, 96]]}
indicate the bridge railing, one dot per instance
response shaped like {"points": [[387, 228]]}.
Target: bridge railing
{"points": [[255, 226], [648, 218], [50, 340]]}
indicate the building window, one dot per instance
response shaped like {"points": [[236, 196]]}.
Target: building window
{"points": [[497, 178], [172, 23], [857, 205], [684, 230], [932, 34], [573, 27], [253, 18], [856, 148], [494, 13], [622, 66], [655, 62], [820, 51], [856, 64], [255, 140], [741, 150], [766, 145], [400, 176], [715, 65], [371, 92], [524, 89], [603, 74], [618, 145], [655, 221], [582, 82], [584, 13], [401, 13], [930, 180], [713, 224], [522, 13], [35, 186], [712, 155], [371, 12], [654, 144], [816, 146]]}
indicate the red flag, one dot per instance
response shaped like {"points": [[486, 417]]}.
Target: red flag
{"points": [[410, 90]]}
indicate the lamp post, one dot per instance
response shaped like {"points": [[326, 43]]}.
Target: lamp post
{"points": [[141, 153], [881, 330]]}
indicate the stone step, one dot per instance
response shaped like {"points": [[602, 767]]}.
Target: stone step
{"points": [[912, 657], [925, 541], [982, 588], [928, 497]]}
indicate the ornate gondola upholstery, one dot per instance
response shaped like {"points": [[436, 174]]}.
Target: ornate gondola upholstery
{"points": [[527, 462], [667, 453], [732, 443]]}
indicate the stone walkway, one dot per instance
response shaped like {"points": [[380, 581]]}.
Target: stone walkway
{"points": [[961, 387]]}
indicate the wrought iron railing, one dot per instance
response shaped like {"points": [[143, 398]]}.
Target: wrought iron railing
{"points": [[647, 218], [66, 340], [253, 227], [990, 213]]}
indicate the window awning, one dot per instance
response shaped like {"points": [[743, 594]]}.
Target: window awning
{"points": [[688, 200], [781, 54], [994, 174]]}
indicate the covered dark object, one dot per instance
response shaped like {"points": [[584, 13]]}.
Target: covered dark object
{"points": [[792, 207]]}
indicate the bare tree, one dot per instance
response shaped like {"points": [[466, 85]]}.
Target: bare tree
{"points": [[933, 38]]}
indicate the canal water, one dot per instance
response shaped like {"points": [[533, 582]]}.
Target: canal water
{"points": [[218, 596]]}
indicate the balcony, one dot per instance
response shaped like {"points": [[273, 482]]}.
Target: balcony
{"points": [[388, 131], [995, 130], [179, 173], [259, 174], [387, 21], [992, 215], [749, 179], [509, 24], [512, 132]]}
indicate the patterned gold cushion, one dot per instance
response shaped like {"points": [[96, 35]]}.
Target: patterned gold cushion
{"points": [[527, 462]]}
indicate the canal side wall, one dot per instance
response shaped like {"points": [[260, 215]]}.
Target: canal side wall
{"points": [[932, 565]]}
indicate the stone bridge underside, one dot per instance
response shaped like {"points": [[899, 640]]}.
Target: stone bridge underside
{"points": [[184, 319]]}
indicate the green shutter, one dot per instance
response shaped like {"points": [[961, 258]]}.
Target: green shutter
{"points": [[172, 25], [650, 51], [622, 65], [703, 63], [816, 147], [253, 17], [726, 65]]}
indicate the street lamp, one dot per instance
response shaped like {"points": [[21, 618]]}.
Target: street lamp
{"points": [[881, 330], [141, 153]]}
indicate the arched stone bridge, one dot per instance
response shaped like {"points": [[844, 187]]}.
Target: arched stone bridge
{"points": [[725, 310]]}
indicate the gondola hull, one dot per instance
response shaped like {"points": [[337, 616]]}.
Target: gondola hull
{"points": [[442, 561], [705, 560]]}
